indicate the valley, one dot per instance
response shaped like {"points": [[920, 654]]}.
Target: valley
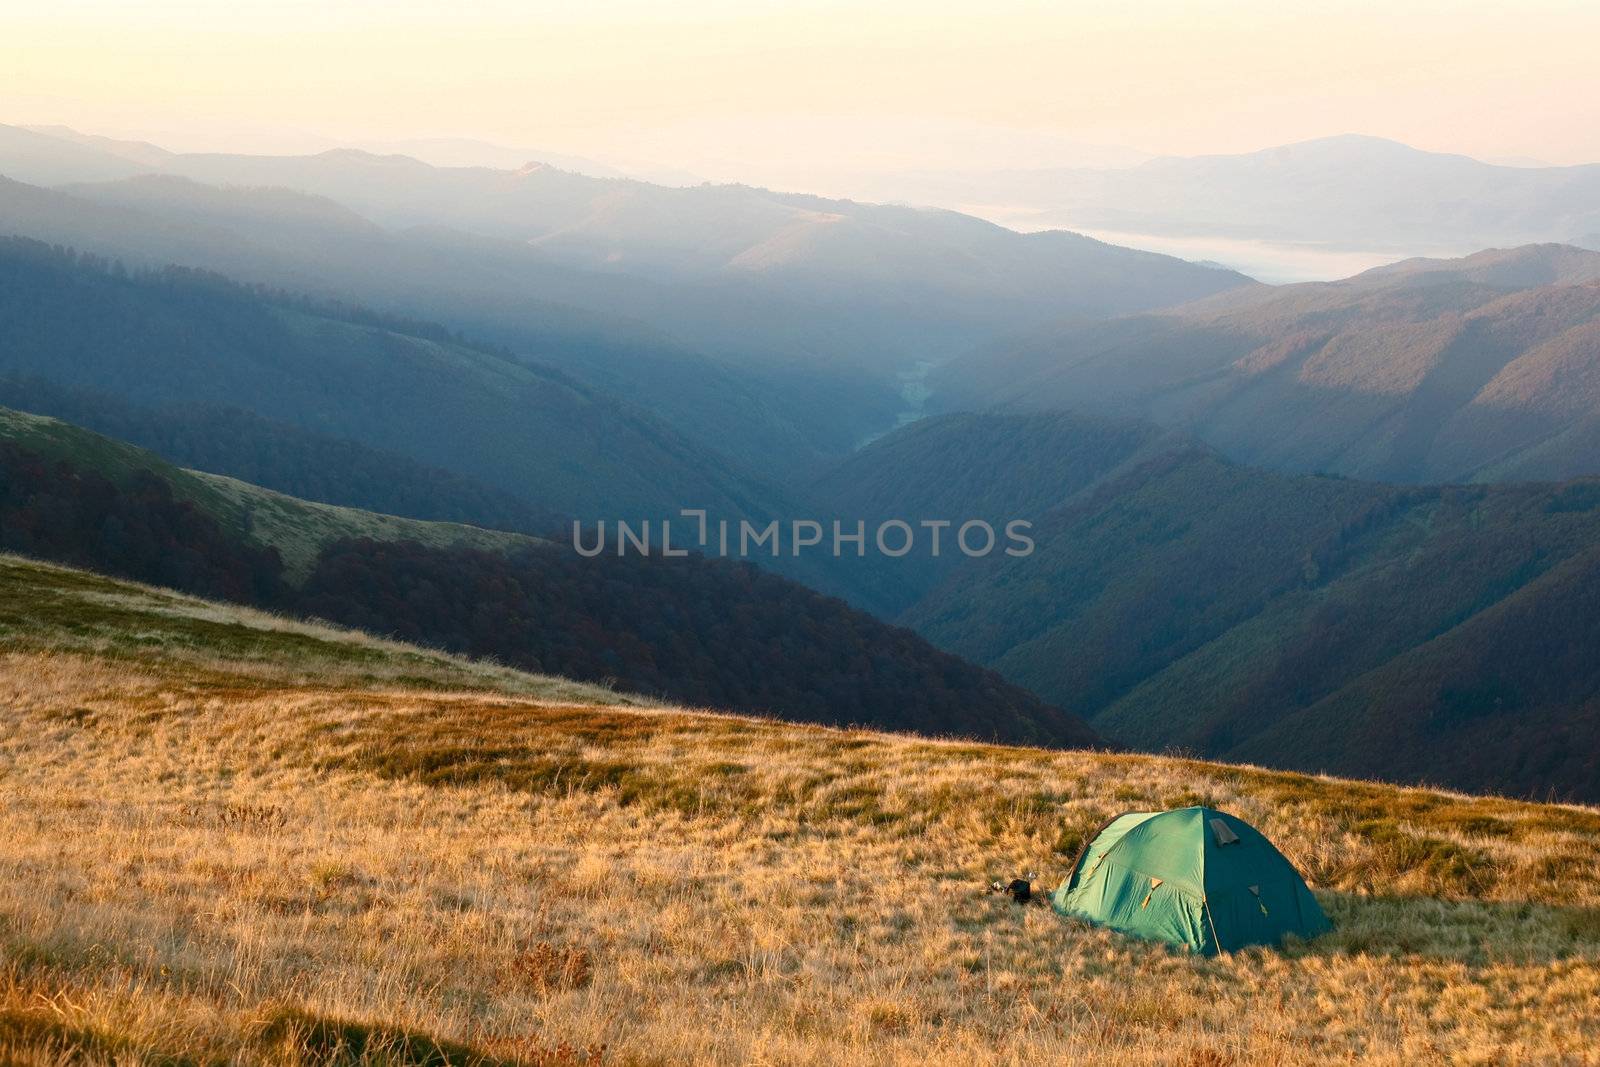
{"points": [[1177, 600]]}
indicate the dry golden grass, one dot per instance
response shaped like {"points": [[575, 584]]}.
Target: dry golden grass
{"points": [[211, 854]]}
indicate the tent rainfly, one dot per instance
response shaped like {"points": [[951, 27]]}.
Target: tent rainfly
{"points": [[1195, 878]]}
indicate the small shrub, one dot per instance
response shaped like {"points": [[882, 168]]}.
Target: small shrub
{"points": [[1208, 1057], [549, 968], [328, 875]]}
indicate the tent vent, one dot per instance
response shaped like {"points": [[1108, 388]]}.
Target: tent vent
{"points": [[1224, 836], [1255, 891], [1153, 883]]}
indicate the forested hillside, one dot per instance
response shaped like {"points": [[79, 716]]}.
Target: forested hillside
{"points": [[989, 466], [139, 529], [1181, 601], [296, 530], [495, 289], [956, 468], [1506, 701], [229, 440], [699, 631]]}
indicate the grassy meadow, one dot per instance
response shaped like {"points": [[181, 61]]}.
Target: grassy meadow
{"points": [[228, 838]]}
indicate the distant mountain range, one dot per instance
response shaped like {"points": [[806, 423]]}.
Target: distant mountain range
{"points": [[1180, 601], [1476, 369], [777, 324], [1349, 192]]}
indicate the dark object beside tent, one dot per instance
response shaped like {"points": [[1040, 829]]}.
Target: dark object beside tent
{"points": [[1195, 878]]}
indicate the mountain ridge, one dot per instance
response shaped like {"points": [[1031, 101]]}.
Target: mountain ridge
{"points": [[1427, 371]]}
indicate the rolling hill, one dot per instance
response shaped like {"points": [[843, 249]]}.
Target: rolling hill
{"points": [[232, 838], [705, 632], [1181, 601], [1475, 369], [39, 158]]}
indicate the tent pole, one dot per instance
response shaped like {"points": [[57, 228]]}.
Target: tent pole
{"points": [[1205, 902]]}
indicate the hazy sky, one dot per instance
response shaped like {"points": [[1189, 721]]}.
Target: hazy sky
{"points": [[706, 84]]}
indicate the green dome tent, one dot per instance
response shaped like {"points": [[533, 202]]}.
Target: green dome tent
{"points": [[1195, 878]]}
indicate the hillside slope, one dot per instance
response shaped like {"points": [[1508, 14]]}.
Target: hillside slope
{"points": [[701, 631], [362, 852], [227, 440], [298, 530], [963, 467], [1429, 370], [176, 337], [1181, 601]]}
